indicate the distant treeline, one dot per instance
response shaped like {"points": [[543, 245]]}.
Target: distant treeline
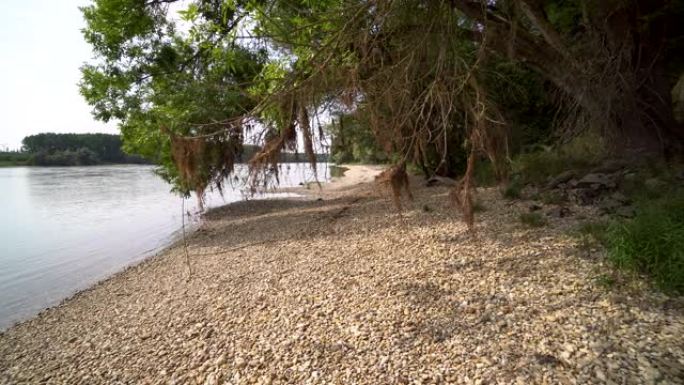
{"points": [[50, 149], [14, 158]]}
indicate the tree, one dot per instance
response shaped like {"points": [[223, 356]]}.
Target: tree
{"points": [[616, 59], [422, 74], [173, 93]]}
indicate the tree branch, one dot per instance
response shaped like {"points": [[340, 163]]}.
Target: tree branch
{"points": [[536, 14]]}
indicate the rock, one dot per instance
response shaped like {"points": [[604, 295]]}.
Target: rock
{"points": [[600, 375], [240, 362], [367, 299], [546, 359], [562, 178], [584, 196], [594, 179], [220, 360], [440, 181]]}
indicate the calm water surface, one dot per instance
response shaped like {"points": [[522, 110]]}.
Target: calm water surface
{"points": [[65, 228]]}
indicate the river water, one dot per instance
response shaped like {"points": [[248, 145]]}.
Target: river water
{"points": [[65, 228]]}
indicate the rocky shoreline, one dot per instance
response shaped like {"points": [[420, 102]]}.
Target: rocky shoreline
{"points": [[343, 290]]}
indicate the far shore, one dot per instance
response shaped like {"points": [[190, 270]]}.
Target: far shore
{"points": [[338, 287]]}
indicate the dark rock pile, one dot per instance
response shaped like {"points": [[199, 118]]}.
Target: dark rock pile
{"points": [[600, 187]]}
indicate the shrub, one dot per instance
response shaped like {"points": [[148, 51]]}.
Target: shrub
{"points": [[533, 219]]}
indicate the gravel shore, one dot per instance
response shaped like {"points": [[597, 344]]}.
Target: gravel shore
{"points": [[345, 291]]}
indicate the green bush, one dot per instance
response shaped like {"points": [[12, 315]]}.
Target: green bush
{"points": [[653, 242]]}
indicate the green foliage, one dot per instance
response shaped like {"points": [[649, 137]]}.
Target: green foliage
{"points": [[411, 77], [78, 149], [525, 101], [580, 154], [353, 141], [13, 158], [652, 181], [533, 219], [80, 157], [653, 242], [159, 82]]}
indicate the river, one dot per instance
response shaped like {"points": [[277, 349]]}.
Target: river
{"points": [[65, 228]]}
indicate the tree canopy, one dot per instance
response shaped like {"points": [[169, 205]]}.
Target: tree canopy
{"points": [[438, 83]]}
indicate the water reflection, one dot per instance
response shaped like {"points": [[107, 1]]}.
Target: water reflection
{"points": [[65, 228]]}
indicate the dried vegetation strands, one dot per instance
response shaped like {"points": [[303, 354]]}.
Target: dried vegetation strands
{"points": [[422, 96], [288, 115], [418, 92], [205, 161], [396, 179]]}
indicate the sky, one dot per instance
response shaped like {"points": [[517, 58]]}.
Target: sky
{"points": [[41, 51]]}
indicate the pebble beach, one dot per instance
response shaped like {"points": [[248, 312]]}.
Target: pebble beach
{"points": [[337, 287]]}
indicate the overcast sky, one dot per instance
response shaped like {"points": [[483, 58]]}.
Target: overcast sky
{"points": [[41, 50]]}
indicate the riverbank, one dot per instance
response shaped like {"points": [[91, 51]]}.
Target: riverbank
{"points": [[342, 290]]}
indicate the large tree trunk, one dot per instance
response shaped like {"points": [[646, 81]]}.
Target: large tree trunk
{"points": [[614, 69]]}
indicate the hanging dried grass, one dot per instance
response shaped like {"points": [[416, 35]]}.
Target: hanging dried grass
{"points": [[205, 161]]}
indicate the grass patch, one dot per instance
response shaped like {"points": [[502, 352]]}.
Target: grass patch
{"points": [[533, 219], [651, 244]]}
